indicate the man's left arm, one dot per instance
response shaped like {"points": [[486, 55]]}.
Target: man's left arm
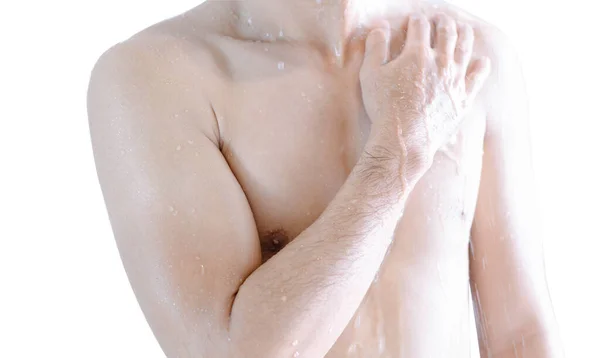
{"points": [[512, 302]]}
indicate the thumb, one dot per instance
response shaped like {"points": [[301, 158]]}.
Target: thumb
{"points": [[377, 49]]}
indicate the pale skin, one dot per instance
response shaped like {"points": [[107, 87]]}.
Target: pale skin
{"points": [[302, 179]]}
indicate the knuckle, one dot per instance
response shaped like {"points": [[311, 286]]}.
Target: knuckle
{"points": [[461, 52], [421, 52], [446, 30], [443, 60], [447, 34], [468, 29], [418, 19]]}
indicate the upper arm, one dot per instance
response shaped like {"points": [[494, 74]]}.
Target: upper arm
{"points": [[183, 226], [507, 269]]}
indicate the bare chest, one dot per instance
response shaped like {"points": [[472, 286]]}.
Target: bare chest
{"points": [[293, 135]]}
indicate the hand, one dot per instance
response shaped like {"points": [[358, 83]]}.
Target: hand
{"points": [[417, 100]]}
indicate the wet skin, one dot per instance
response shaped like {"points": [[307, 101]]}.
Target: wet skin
{"points": [[222, 149]]}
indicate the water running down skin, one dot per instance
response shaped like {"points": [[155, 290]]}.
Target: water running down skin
{"points": [[275, 191]]}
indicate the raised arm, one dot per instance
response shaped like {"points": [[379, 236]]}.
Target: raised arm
{"points": [[185, 230], [515, 316]]}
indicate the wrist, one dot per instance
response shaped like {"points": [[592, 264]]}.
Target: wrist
{"points": [[392, 173], [389, 143]]}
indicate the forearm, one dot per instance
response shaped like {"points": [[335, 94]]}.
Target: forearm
{"points": [[540, 343], [522, 323], [303, 297]]}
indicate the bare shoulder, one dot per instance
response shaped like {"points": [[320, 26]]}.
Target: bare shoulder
{"points": [[490, 41], [175, 61], [505, 87], [181, 40]]}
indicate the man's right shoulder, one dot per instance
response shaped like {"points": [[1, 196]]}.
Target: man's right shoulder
{"points": [[160, 50], [157, 69]]}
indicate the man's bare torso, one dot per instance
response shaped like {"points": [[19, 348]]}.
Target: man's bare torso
{"points": [[291, 125]]}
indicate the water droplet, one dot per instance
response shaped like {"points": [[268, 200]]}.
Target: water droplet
{"points": [[275, 242], [249, 21], [281, 33], [178, 148], [281, 65], [338, 52], [295, 343], [297, 354], [202, 269], [381, 344], [171, 209], [190, 141], [357, 322], [283, 298], [352, 348]]}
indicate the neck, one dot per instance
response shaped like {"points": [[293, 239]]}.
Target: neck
{"points": [[328, 24]]}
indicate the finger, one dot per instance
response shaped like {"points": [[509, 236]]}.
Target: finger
{"points": [[419, 31], [398, 39], [464, 47], [377, 49], [445, 38], [477, 73]]}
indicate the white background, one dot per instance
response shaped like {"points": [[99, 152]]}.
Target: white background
{"points": [[63, 291]]}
